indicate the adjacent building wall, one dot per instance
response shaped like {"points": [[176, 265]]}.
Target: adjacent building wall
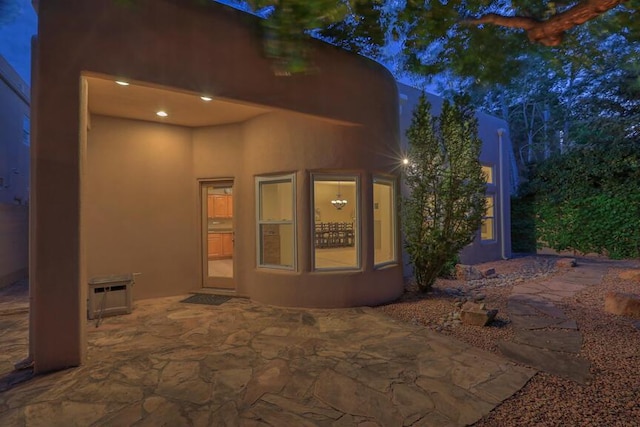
{"points": [[14, 175], [488, 131]]}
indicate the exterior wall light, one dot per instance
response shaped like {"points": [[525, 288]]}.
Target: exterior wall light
{"points": [[405, 161]]}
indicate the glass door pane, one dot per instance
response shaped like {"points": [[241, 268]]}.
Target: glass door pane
{"points": [[219, 234]]}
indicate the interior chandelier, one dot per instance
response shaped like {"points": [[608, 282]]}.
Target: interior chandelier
{"points": [[339, 202]]}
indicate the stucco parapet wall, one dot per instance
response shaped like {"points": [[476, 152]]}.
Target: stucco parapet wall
{"points": [[206, 47], [13, 80]]}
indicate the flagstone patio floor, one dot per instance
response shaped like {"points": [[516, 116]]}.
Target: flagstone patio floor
{"points": [[246, 364]]}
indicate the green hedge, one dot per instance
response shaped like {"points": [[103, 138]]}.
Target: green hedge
{"points": [[606, 224], [587, 201], [523, 224]]}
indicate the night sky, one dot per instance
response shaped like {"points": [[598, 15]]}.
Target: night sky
{"points": [[15, 38], [16, 33]]}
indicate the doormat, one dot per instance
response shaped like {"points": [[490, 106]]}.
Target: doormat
{"points": [[206, 299]]}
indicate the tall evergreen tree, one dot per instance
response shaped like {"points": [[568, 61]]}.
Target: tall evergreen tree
{"points": [[446, 203]]}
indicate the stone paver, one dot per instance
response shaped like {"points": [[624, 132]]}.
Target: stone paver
{"points": [[568, 341], [545, 337], [241, 363], [554, 362]]}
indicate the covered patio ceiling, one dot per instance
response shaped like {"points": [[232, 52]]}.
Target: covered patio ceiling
{"points": [[141, 101]]}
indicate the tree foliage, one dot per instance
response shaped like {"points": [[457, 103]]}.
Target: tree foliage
{"points": [[444, 208], [483, 39], [589, 200], [553, 106]]}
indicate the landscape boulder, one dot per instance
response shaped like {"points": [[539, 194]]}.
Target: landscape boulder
{"points": [[630, 275], [622, 304], [476, 314], [468, 272], [488, 272], [566, 262]]}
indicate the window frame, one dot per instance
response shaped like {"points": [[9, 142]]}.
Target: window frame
{"points": [[493, 238], [26, 130], [321, 176], [385, 180], [493, 173], [262, 179]]}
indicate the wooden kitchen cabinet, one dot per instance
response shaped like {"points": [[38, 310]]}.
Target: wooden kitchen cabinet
{"points": [[214, 245], [229, 206], [227, 244], [210, 206], [220, 206], [220, 245]]}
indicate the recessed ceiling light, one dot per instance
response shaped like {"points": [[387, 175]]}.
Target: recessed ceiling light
{"points": [[162, 113], [206, 98], [122, 83]]}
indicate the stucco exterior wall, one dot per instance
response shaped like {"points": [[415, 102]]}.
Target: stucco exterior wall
{"points": [[281, 143], [142, 198], [140, 205], [201, 47], [14, 238], [488, 126], [14, 175]]}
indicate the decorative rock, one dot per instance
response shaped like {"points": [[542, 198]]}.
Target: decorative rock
{"points": [[476, 314], [468, 272], [630, 275], [566, 263], [479, 297], [622, 304], [489, 272]]}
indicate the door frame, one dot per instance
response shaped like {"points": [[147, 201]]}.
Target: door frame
{"points": [[214, 282]]}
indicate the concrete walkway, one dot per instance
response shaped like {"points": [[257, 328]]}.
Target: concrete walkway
{"points": [[545, 338], [241, 363]]}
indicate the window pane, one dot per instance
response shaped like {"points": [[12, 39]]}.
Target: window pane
{"points": [[487, 228], [26, 130], [488, 173], [276, 244], [276, 201], [335, 205], [384, 242]]}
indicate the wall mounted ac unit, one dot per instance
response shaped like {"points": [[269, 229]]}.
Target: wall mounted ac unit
{"points": [[109, 296]]}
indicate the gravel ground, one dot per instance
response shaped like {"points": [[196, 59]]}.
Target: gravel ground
{"points": [[611, 343]]}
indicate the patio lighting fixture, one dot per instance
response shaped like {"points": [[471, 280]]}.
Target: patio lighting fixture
{"points": [[339, 202], [122, 83], [405, 161], [206, 98], [162, 113]]}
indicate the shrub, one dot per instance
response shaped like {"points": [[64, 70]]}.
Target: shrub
{"points": [[444, 209]]}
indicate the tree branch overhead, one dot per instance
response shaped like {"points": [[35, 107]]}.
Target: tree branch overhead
{"points": [[551, 31]]}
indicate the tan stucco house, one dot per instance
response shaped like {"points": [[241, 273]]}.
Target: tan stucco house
{"points": [[164, 145]]}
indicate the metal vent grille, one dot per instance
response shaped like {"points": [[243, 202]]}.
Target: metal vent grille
{"points": [[109, 296]]}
